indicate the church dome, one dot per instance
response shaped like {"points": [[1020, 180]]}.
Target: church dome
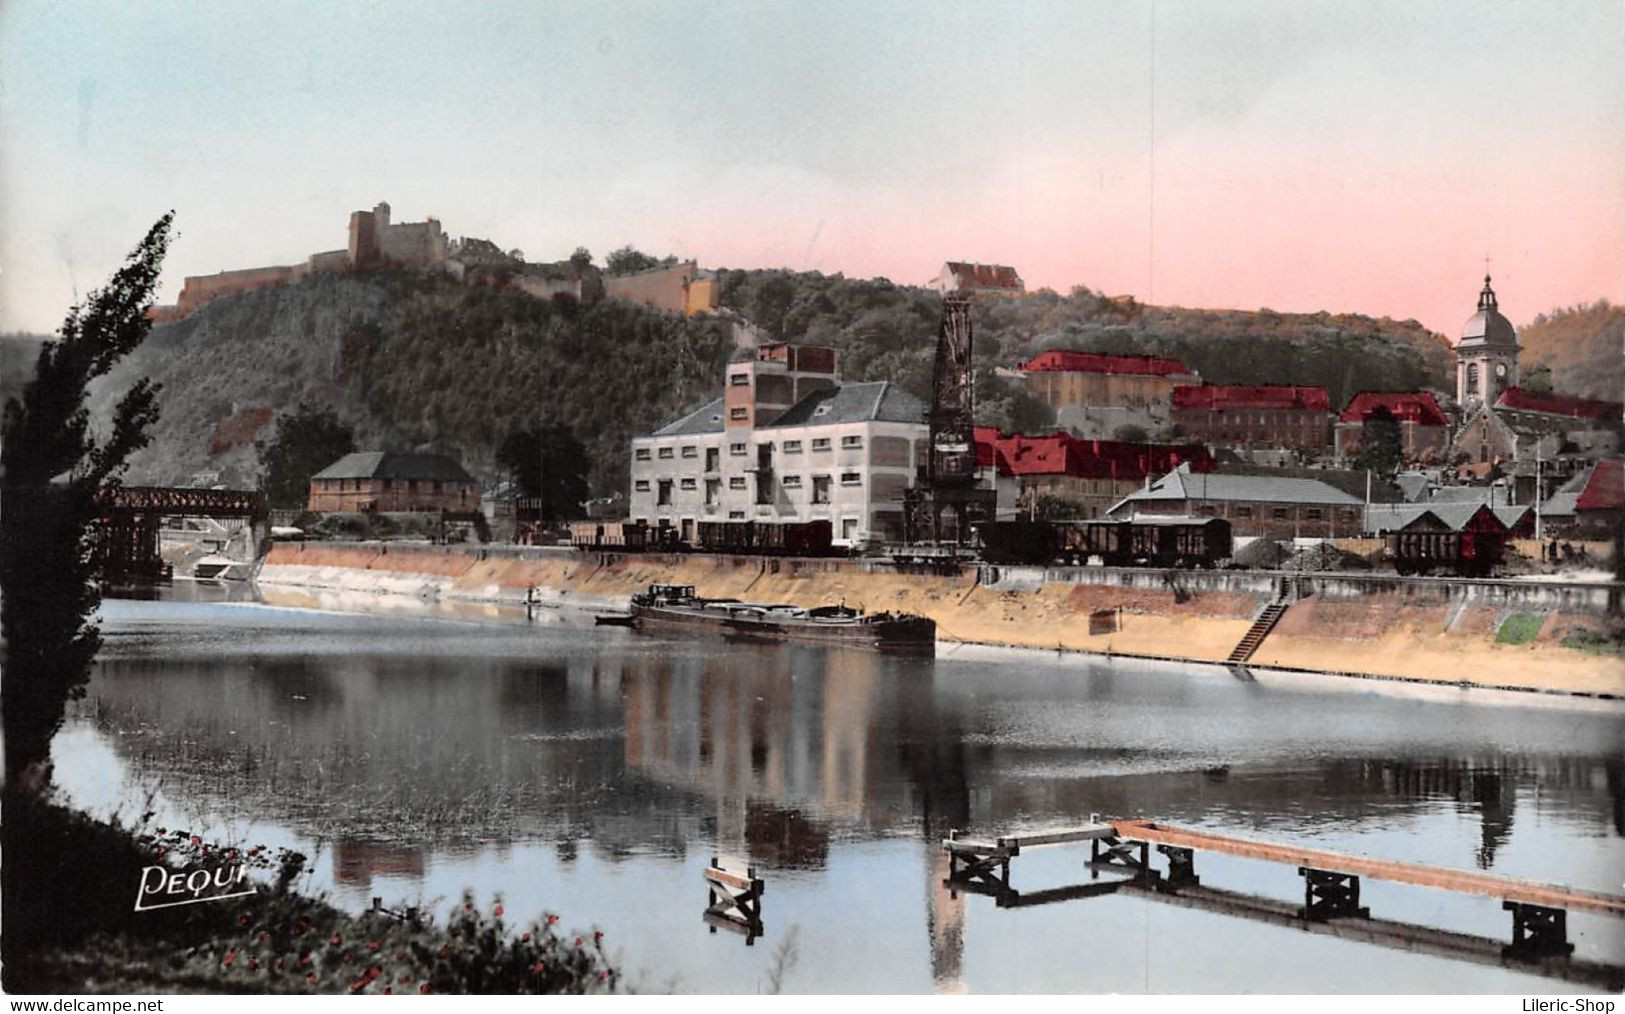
{"points": [[1487, 326]]}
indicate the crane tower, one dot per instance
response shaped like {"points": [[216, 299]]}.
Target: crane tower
{"points": [[945, 503]]}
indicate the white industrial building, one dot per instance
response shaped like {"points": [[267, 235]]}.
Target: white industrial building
{"points": [[787, 441]]}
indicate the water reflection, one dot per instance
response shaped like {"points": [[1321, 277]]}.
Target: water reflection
{"points": [[506, 754]]}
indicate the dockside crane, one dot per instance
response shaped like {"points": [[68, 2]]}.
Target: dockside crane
{"points": [[945, 504]]}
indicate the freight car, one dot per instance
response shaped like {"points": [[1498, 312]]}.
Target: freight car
{"points": [[797, 538], [1468, 554], [630, 536], [1144, 541]]}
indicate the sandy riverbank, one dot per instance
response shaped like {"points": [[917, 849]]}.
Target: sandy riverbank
{"points": [[1452, 639]]}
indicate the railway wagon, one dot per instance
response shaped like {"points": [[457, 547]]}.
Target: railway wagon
{"points": [[797, 538], [1467, 553], [1155, 542], [630, 536]]}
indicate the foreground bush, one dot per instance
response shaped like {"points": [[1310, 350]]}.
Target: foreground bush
{"points": [[70, 925]]}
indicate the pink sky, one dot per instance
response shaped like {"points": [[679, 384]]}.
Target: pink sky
{"points": [[1302, 156]]}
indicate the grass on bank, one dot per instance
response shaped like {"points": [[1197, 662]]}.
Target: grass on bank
{"points": [[70, 884]]}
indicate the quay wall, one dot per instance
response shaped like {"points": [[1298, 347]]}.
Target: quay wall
{"points": [[1431, 629]]}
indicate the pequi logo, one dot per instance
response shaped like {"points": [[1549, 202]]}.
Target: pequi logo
{"points": [[162, 887]]}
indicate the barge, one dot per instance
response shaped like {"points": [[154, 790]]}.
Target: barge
{"points": [[676, 608]]}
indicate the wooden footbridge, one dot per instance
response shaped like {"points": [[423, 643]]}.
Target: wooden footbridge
{"points": [[1331, 891]]}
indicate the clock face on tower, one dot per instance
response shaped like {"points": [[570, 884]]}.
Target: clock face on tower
{"points": [[1500, 369]]}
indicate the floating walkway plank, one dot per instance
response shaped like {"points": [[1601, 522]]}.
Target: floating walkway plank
{"points": [[1384, 933], [1505, 888], [1014, 843]]}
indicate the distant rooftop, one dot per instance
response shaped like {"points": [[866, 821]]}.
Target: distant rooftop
{"points": [[1517, 399], [872, 401], [1182, 484], [1408, 406], [985, 276], [1071, 361], [395, 465], [1222, 396]]}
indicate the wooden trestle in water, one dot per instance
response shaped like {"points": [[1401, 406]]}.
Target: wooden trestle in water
{"points": [[1331, 891]]}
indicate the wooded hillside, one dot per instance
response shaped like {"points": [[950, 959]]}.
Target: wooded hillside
{"points": [[1584, 346], [421, 361]]}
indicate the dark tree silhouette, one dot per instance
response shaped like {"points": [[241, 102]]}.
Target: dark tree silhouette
{"points": [[54, 467], [304, 443], [1382, 447], [550, 463]]}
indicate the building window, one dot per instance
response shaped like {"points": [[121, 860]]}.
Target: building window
{"points": [[740, 379], [389, 483], [739, 412], [1278, 513], [713, 491], [849, 528], [1472, 378], [851, 442], [792, 482], [665, 454], [821, 443], [711, 456], [690, 451], [1312, 514], [820, 489], [642, 485], [737, 450], [851, 479], [642, 454], [736, 515], [736, 482], [1244, 512], [686, 484], [663, 494], [792, 447]]}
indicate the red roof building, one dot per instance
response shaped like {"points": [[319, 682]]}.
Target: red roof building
{"points": [[1069, 361], [1519, 400], [1274, 416], [1093, 473], [1096, 393], [978, 279], [1424, 430], [1605, 490]]}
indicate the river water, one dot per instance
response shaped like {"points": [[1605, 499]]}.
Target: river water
{"points": [[595, 772]]}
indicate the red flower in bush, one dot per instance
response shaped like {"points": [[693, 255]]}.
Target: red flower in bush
{"points": [[444, 952], [578, 941], [196, 841], [468, 906], [264, 936], [334, 940], [373, 945], [231, 956], [280, 964], [597, 936], [311, 978], [525, 939], [551, 919], [603, 976], [304, 959], [243, 920], [497, 911], [161, 851], [538, 968], [423, 987], [389, 990], [253, 966]]}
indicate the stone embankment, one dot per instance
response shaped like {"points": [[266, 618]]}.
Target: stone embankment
{"points": [[1508, 634]]}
